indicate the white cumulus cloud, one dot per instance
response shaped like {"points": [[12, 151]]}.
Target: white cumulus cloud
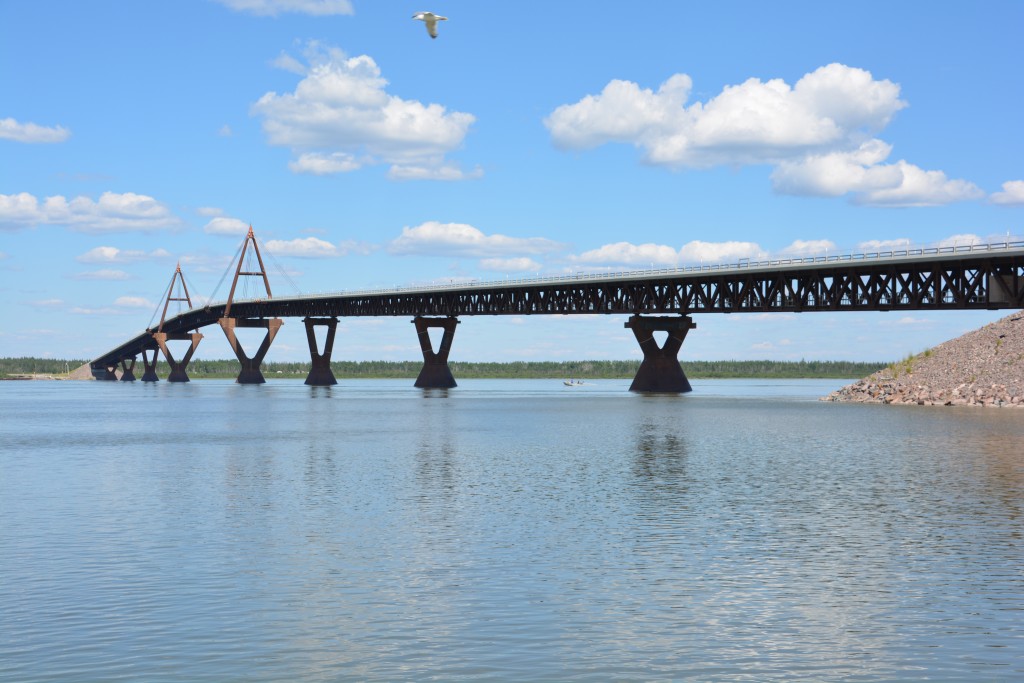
{"points": [[810, 248], [304, 247], [10, 129], [872, 182], [103, 274], [918, 187], [112, 212], [271, 8], [521, 264], [1012, 194], [626, 254], [883, 245], [754, 122], [446, 172], [960, 240], [115, 255], [459, 239], [324, 164], [834, 174], [819, 134], [720, 252], [660, 255], [340, 117], [133, 302], [79, 310], [223, 225]]}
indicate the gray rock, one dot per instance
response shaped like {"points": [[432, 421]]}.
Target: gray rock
{"points": [[983, 367]]}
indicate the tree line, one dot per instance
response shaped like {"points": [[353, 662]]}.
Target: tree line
{"points": [[590, 369]]}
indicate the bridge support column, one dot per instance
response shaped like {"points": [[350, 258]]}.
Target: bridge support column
{"points": [[149, 375], [104, 373], [660, 371], [250, 372], [320, 374], [178, 368], [435, 373], [127, 371]]}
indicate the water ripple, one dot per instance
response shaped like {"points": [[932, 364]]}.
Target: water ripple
{"points": [[504, 531]]}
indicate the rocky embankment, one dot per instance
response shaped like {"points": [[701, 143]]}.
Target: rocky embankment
{"points": [[81, 372], [982, 368]]}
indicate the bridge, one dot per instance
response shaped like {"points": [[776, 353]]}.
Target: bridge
{"points": [[966, 277]]}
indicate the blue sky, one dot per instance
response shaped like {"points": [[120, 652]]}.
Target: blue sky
{"points": [[568, 137]]}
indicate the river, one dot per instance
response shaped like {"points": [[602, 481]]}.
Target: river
{"points": [[505, 530]]}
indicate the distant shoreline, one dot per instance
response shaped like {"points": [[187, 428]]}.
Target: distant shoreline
{"points": [[45, 369]]}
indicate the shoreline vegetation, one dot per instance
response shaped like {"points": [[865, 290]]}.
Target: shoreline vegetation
{"points": [[42, 368]]}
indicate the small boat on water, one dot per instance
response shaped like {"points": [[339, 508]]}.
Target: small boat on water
{"points": [[572, 383]]}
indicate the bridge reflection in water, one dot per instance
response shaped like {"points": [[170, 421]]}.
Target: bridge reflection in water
{"points": [[974, 277]]}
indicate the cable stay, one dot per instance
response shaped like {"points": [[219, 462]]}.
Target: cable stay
{"points": [[280, 270], [227, 270], [163, 298]]}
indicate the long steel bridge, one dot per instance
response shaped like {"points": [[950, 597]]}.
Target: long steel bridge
{"points": [[966, 277]]}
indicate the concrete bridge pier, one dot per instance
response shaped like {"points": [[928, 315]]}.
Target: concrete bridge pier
{"points": [[320, 374], [104, 373], [435, 373], [127, 371], [178, 368], [250, 372], [149, 374], [660, 371]]}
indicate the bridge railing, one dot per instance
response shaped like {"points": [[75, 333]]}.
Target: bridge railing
{"points": [[742, 264], [909, 252]]}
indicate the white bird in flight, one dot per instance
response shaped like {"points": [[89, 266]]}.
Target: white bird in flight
{"points": [[430, 19]]}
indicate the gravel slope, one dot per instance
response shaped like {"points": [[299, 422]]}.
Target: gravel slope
{"points": [[981, 368]]}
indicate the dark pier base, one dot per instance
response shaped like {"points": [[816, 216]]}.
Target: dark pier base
{"points": [[178, 368], [435, 373], [250, 372], [320, 374], [127, 370], [149, 374], [104, 373], [660, 371]]}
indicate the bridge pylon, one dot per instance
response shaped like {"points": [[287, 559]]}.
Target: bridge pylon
{"points": [[660, 371], [250, 371], [435, 373], [179, 369]]}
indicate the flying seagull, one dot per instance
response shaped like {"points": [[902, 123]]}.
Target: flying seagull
{"points": [[430, 19]]}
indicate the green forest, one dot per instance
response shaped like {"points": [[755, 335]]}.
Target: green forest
{"points": [[590, 369]]}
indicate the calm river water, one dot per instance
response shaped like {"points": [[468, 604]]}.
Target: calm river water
{"points": [[504, 530]]}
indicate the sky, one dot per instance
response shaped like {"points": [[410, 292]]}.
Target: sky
{"points": [[527, 139]]}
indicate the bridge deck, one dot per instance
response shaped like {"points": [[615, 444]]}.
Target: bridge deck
{"points": [[968, 277]]}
